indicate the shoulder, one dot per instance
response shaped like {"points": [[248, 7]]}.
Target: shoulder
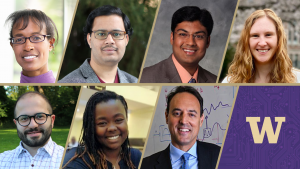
{"points": [[211, 150], [297, 74], [150, 74], [208, 146], [77, 162], [129, 77], [73, 77], [135, 156], [211, 78], [7, 157], [225, 80], [151, 161]]}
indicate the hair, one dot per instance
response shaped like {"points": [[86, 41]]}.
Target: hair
{"points": [[193, 13], [88, 140], [106, 10], [242, 69], [32, 93], [182, 89], [37, 16]]}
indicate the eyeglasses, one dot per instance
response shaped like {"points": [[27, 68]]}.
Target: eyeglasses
{"points": [[117, 35], [39, 118], [184, 35], [33, 39]]}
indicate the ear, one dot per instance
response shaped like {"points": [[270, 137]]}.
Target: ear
{"points": [[11, 44], [88, 39], [15, 121], [52, 41], [52, 120], [201, 119], [208, 42], [126, 39], [171, 38], [167, 115]]}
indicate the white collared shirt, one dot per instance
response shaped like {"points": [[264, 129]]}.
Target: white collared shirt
{"points": [[176, 160], [47, 157]]}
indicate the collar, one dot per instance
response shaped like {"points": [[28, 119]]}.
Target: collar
{"points": [[49, 148], [43, 78], [176, 153], [183, 73]]}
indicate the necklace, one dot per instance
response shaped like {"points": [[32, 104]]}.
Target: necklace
{"points": [[113, 166]]}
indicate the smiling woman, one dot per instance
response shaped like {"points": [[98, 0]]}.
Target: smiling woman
{"points": [[32, 37], [261, 53], [104, 142]]}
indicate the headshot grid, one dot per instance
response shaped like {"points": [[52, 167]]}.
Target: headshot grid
{"points": [[54, 114]]}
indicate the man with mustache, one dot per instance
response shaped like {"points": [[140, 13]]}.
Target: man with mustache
{"points": [[184, 116], [34, 121], [190, 37], [107, 32]]}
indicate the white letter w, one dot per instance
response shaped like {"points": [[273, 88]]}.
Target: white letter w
{"points": [[267, 127]]}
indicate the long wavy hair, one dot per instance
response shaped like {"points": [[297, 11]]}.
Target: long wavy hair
{"points": [[89, 144], [242, 69]]}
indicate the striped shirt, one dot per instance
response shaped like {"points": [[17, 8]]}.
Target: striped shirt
{"points": [[49, 156]]}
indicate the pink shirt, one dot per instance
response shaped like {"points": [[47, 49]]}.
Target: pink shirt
{"points": [[185, 76]]}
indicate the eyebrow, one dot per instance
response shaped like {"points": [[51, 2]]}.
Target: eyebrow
{"points": [[177, 109], [33, 33], [107, 30], [193, 33], [104, 118]]}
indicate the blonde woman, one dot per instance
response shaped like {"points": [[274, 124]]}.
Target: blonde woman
{"points": [[261, 54]]}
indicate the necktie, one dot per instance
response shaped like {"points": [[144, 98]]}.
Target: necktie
{"points": [[185, 158], [192, 80]]}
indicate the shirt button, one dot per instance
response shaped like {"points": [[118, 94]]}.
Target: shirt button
{"points": [[32, 165]]}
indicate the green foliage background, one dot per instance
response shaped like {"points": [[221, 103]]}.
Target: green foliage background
{"points": [[141, 14], [62, 98]]}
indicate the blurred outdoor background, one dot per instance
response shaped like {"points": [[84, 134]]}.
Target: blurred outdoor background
{"points": [[60, 11], [141, 15], [141, 107], [62, 98], [287, 10]]}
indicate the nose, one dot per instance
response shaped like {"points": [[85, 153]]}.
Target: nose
{"points": [[112, 127], [28, 46], [262, 42], [190, 40], [32, 123], [184, 118], [109, 39]]}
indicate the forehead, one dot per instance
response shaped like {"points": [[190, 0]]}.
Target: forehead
{"points": [[30, 105], [184, 100], [32, 25], [110, 22], [191, 26], [109, 108], [263, 24]]}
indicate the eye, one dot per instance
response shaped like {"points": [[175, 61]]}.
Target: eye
{"points": [[192, 115], [118, 121], [176, 113], [23, 118], [102, 34], [39, 116], [102, 124], [183, 34], [36, 38], [116, 34], [18, 39], [199, 36]]}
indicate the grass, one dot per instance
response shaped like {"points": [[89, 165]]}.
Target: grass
{"points": [[9, 139]]}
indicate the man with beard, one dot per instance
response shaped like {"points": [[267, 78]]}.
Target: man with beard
{"points": [[34, 121]]}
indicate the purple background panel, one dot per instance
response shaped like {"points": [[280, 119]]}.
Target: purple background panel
{"points": [[240, 152]]}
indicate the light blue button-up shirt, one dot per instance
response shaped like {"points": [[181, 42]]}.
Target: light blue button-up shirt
{"points": [[177, 161]]}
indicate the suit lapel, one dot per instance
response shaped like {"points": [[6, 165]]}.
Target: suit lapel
{"points": [[164, 160], [203, 157], [88, 73], [201, 75], [171, 71], [122, 77]]}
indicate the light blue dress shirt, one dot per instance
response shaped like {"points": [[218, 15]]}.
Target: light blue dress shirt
{"points": [[177, 161]]}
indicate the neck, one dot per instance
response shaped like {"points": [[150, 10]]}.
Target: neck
{"points": [[106, 72], [32, 150], [184, 148], [262, 73], [113, 156], [38, 72]]}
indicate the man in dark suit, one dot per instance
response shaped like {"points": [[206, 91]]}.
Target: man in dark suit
{"points": [[184, 116], [190, 37], [107, 32]]}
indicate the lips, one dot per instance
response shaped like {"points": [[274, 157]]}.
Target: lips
{"points": [[189, 51], [34, 132], [29, 57], [262, 50], [113, 137], [184, 130]]}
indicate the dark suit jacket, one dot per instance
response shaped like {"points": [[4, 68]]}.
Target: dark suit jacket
{"points": [[166, 72], [207, 157], [85, 74]]}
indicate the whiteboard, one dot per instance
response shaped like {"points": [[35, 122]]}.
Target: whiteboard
{"points": [[217, 101]]}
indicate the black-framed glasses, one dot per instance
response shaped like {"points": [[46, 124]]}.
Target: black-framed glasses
{"points": [[39, 118], [33, 39], [101, 34], [196, 36]]}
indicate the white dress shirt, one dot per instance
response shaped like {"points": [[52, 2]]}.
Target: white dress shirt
{"points": [[49, 156]]}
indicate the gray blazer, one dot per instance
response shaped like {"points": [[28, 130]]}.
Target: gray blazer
{"points": [[166, 72], [85, 74]]}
